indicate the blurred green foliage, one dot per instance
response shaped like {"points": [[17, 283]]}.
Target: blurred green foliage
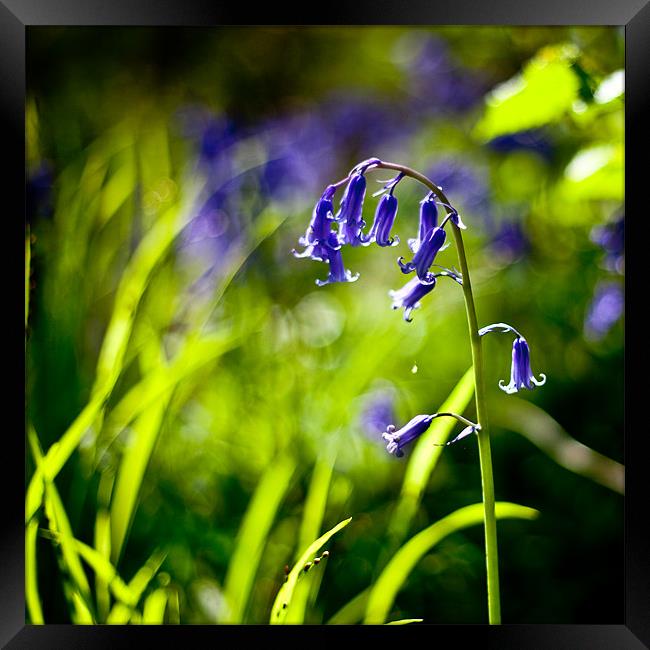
{"points": [[196, 420]]}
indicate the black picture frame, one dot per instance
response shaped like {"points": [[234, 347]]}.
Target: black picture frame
{"points": [[634, 15]]}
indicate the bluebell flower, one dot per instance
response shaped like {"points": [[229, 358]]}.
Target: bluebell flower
{"points": [[319, 235], [338, 272], [409, 296], [428, 220], [409, 432], [423, 258], [521, 376], [349, 213], [384, 219]]}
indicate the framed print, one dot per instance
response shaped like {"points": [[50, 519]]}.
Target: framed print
{"points": [[327, 323]]}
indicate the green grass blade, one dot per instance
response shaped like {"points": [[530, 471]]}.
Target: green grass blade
{"points": [[57, 455], [103, 547], [384, 590], [82, 615], [154, 607], [108, 573], [134, 463], [174, 608], [121, 614], [32, 598], [195, 355], [282, 600], [406, 621], [352, 611], [424, 457], [537, 426], [252, 536], [59, 524], [102, 541], [134, 281], [312, 520]]}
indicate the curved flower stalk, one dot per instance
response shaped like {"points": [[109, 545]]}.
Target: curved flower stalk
{"points": [[429, 242]]}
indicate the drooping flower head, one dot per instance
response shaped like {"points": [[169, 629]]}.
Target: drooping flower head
{"points": [[521, 376], [426, 253], [409, 296], [384, 219], [349, 214], [428, 220], [338, 272], [322, 218], [409, 432], [319, 234]]}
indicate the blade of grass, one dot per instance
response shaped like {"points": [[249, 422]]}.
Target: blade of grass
{"points": [[252, 535], [154, 607], [385, 588], [312, 520], [352, 611], [406, 621], [283, 599], [32, 599], [103, 547], [424, 458], [195, 355], [121, 614], [537, 426], [145, 432], [133, 283], [59, 523]]}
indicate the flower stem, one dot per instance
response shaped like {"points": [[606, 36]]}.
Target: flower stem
{"points": [[485, 454]]}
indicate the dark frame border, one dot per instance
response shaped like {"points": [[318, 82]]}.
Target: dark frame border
{"points": [[16, 15]]}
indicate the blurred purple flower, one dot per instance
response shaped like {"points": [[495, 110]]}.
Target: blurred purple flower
{"points": [[467, 184], [355, 123], [604, 311], [510, 241], [435, 81], [38, 192], [611, 238], [378, 410], [533, 140]]}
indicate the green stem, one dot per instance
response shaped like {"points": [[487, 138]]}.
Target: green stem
{"points": [[487, 481], [485, 454]]}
